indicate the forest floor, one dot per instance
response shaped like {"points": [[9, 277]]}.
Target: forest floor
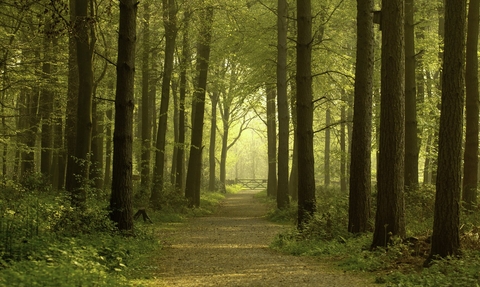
{"points": [[230, 248]]}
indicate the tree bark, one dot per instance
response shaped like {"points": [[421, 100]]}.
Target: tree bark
{"points": [[46, 104], [306, 172], [293, 181], [121, 210], [170, 23], [179, 177], [72, 103], [411, 136], [271, 141], [470, 167], [360, 157], [390, 215], [282, 102], [446, 223], [343, 146], [146, 117], [192, 187], [84, 45], [326, 162], [213, 136]]}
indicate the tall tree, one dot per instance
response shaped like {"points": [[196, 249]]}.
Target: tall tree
{"points": [[282, 102], [185, 58], [146, 117], [85, 42], [72, 101], [192, 187], [293, 181], [411, 136], [326, 162], [170, 23], [470, 157], [390, 215], [446, 222], [121, 210], [46, 102], [213, 135], [271, 141], [306, 172], [343, 145], [360, 157]]}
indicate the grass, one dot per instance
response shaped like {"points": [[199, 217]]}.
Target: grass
{"points": [[43, 241], [399, 265]]}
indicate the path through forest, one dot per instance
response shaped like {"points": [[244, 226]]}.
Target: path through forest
{"points": [[230, 248]]}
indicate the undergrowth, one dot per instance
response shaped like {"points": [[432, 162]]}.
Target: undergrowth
{"points": [[46, 242], [401, 263]]}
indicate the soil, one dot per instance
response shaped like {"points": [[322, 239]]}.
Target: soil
{"points": [[230, 248]]}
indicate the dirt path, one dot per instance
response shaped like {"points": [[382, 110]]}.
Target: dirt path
{"points": [[230, 248]]}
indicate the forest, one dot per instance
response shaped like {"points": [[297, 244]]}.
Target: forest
{"points": [[361, 117]]}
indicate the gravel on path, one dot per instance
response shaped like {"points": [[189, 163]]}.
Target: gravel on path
{"points": [[230, 248]]}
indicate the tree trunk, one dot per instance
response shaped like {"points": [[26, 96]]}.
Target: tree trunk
{"points": [[326, 162], [470, 168], [173, 168], [181, 113], [306, 172], [293, 181], [46, 104], [121, 210], [108, 149], [360, 157], [223, 152], [192, 187], [282, 102], [343, 147], [390, 216], [271, 141], [213, 135], [146, 117], [421, 83], [446, 223], [30, 131], [96, 172], [170, 23], [80, 165], [411, 136], [72, 103]]}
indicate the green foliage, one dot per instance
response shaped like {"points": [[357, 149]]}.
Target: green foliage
{"points": [[444, 272], [286, 215], [208, 203], [233, 188], [45, 242], [401, 264], [420, 205]]}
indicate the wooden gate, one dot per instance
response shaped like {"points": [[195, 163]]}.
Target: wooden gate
{"points": [[252, 183]]}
